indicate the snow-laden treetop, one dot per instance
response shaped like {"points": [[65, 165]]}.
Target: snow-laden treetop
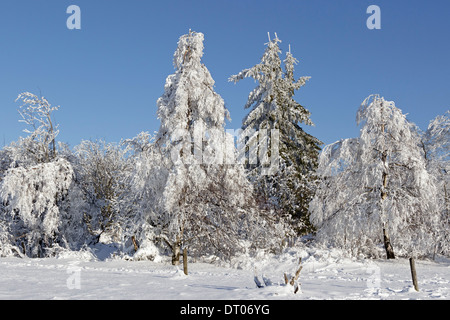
{"points": [[189, 50], [189, 99]]}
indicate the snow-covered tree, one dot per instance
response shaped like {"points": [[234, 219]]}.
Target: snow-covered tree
{"points": [[436, 145], [40, 145], [6, 239], [5, 162], [206, 202], [32, 198], [146, 182], [376, 189], [40, 208], [275, 118], [102, 170]]}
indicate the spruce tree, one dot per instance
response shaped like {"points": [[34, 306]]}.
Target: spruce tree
{"points": [[272, 129]]}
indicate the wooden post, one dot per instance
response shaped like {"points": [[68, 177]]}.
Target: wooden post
{"points": [[413, 273], [295, 277], [185, 267]]}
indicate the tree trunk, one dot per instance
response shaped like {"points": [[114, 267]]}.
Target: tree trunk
{"points": [[413, 273], [446, 200], [53, 151], [185, 263], [176, 255], [176, 252], [136, 247], [387, 240], [388, 246]]}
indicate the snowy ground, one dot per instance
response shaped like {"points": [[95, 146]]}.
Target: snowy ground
{"points": [[325, 275]]}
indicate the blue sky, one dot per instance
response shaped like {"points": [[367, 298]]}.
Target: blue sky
{"points": [[107, 76]]}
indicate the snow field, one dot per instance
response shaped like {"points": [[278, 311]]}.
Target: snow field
{"points": [[325, 275]]}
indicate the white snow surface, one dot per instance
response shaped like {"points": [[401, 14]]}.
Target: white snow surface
{"points": [[326, 274]]}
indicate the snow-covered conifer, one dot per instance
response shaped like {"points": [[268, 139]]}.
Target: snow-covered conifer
{"points": [[290, 187]]}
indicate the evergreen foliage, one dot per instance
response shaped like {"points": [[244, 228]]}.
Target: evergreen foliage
{"points": [[272, 130]]}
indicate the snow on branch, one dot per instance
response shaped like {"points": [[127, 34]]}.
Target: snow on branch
{"points": [[37, 114]]}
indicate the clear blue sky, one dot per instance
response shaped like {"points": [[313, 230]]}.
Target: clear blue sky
{"points": [[107, 76]]}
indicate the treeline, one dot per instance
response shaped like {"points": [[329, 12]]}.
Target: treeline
{"points": [[194, 185]]}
